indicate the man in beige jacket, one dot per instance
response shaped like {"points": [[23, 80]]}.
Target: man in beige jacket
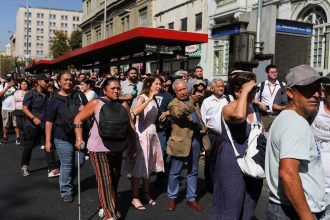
{"points": [[187, 137]]}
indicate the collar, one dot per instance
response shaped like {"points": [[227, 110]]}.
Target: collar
{"points": [[269, 83], [215, 98]]}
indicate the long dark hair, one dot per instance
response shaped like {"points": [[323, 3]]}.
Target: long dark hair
{"points": [[148, 82]]}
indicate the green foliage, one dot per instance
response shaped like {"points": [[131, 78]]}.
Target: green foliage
{"points": [[75, 40], [59, 44]]}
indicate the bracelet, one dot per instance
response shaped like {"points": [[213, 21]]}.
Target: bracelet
{"points": [[78, 138], [77, 126]]}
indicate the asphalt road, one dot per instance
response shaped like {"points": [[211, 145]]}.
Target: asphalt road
{"points": [[37, 196]]}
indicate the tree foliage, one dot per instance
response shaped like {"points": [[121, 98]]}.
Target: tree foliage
{"points": [[75, 40], [59, 44]]}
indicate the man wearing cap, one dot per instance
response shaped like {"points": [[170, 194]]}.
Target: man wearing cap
{"points": [[293, 164], [8, 106], [35, 107]]}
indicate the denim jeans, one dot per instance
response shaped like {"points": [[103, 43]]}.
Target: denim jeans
{"points": [[175, 171], [68, 157], [162, 136]]}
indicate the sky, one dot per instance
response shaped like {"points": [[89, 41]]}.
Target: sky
{"points": [[9, 8]]}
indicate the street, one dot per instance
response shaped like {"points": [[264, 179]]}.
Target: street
{"points": [[37, 196]]}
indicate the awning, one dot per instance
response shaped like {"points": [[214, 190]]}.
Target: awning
{"points": [[129, 43]]}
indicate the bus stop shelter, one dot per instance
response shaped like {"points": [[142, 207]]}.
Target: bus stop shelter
{"points": [[139, 45]]}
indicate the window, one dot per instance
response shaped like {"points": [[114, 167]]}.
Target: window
{"points": [[98, 33], [317, 16], [198, 25], [52, 16], [88, 6], [64, 17], [25, 14], [88, 38], [125, 23], [184, 24], [143, 17], [221, 58], [109, 29], [75, 18], [171, 25], [64, 25], [40, 15]]}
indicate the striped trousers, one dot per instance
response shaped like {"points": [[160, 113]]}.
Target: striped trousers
{"points": [[107, 166]]}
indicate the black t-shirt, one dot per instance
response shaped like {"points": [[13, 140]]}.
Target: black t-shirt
{"points": [[55, 106], [163, 99], [37, 104]]}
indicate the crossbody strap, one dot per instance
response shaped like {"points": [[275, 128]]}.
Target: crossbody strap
{"points": [[229, 136]]}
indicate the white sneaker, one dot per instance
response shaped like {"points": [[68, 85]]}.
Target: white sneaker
{"points": [[101, 213], [42, 147], [53, 173], [129, 176]]}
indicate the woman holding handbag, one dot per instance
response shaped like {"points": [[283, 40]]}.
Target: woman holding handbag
{"points": [[235, 195]]}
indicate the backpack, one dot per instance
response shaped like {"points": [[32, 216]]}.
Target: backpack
{"points": [[252, 163], [70, 110], [113, 122], [262, 86]]}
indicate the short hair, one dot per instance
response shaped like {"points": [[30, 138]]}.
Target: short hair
{"points": [[198, 67], [212, 83], [240, 78], [177, 81], [129, 69], [59, 76], [107, 81], [270, 66]]}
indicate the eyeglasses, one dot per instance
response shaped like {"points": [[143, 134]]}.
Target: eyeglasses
{"points": [[326, 86]]}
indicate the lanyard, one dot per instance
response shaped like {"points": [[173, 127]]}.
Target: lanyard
{"points": [[271, 91]]}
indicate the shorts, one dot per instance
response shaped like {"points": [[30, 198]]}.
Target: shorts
{"points": [[8, 118]]}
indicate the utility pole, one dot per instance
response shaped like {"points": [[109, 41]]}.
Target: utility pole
{"points": [[105, 19], [27, 32], [258, 44]]}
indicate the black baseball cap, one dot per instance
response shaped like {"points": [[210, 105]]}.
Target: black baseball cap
{"points": [[43, 76]]}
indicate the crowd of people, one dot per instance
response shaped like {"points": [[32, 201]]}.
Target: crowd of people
{"points": [[162, 123]]}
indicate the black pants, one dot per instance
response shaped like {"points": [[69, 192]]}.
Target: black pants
{"points": [[34, 136], [211, 158], [20, 124]]}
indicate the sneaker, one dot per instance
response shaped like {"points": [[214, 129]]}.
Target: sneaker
{"points": [[18, 141], [4, 140], [25, 171], [129, 176], [42, 147], [101, 213], [68, 199], [53, 173]]}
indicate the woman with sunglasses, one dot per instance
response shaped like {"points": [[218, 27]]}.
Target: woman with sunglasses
{"points": [[64, 140], [235, 195]]}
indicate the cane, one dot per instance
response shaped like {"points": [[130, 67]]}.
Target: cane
{"points": [[82, 147]]}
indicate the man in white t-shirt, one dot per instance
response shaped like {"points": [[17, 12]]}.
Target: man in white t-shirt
{"points": [[321, 131], [293, 166], [265, 97], [7, 91]]}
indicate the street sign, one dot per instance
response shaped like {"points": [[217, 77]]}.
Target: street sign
{"points": [[160, 49]]}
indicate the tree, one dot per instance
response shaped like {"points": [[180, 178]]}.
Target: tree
{"points": [[75, 40], [6, 64], [59, 44]]}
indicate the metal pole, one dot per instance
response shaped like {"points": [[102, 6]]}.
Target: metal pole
{"points": [[27, 31], [105, 19], [259, 11]]}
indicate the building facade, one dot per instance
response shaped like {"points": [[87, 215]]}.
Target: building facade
{"points": [[293, 32], [105, 18], [35, 28]]}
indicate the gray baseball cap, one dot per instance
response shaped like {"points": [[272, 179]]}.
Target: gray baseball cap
{"points": [[304, 75]]}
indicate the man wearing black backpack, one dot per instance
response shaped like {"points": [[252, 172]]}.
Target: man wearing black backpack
{"points": [[34, 107], [265, 97]]}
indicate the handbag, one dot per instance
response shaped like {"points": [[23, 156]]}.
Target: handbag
{"points": [[252, 163], [161, 125]]}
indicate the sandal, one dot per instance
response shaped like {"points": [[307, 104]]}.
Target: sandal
{"points": [[148, 198], [139, 207]]}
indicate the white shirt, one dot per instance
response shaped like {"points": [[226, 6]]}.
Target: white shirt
{"points": [[8, 100], [211, 112], [269, 93], [321, 131], [90, 95]]}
